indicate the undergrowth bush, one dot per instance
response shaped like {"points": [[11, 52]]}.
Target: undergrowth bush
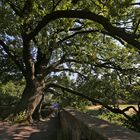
{"points": [[135, 124], [112, 118], [10, 93], [21, 117]]}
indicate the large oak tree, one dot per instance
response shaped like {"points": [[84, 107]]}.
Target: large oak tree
{"points": [[45, 37]]}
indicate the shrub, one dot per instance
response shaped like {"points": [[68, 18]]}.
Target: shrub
{"points": [[135, 124]]}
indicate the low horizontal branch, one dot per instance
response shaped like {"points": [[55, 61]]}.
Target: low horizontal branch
{"points": [[114, 110]]}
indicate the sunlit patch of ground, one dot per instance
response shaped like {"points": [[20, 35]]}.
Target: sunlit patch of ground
{"points": [[93, 107], [130, 111], [97, 107]]}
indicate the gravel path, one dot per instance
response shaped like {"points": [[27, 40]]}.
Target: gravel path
{"points": [[45, 130]]}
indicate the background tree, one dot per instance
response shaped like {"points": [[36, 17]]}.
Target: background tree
{"points": [[46, 38]]}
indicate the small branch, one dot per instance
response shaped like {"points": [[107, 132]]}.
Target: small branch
{"points": [[108, 65], [75, 1], [13, 57], [55, 5], [138, 3], [53, 92], [16, 10], [76, 33], [136, 27], [139, 107], [53, 66], [71, 29], [70, 70]]}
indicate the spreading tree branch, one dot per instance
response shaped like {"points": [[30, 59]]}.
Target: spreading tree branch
{"points": [[109, 65], [90, 31], [76, 33], [114, 31], [105, 64]]}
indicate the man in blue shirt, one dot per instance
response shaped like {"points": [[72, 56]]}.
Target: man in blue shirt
{"points": [[55, 108]]}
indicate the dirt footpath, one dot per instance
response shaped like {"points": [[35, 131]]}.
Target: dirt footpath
{"points": [[46, 130]]}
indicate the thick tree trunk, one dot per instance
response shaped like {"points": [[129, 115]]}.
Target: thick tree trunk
{"points": [[31, 98], [37, 112]]}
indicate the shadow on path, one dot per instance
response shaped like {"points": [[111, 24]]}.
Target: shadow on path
{"points": [[49, 131], [46, 130]]}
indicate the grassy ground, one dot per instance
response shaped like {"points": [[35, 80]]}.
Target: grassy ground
{"points": [[100, 112]]}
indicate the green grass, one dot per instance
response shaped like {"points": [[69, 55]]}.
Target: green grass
{"points": [[109, 116]]}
